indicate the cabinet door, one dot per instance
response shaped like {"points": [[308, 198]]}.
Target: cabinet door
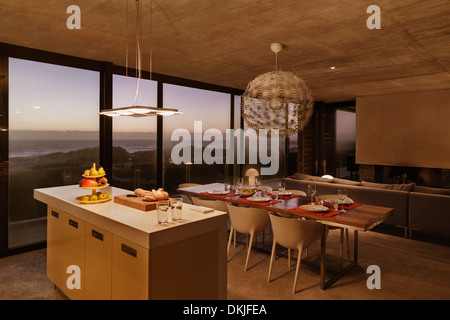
{"points": [[130, 270], [55, 240], [98, 255], [72, 255]]}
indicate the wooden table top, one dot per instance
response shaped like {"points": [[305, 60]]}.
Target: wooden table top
{"points": [[363, 217]]}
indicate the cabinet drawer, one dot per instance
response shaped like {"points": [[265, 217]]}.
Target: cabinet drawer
{"points": [[55, 246], [130, 270], [98, 255]]}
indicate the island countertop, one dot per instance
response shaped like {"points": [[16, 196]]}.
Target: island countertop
{"points": [[140, 227]]}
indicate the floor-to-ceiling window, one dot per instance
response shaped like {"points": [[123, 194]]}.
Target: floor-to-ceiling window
{"points": [[202, 156], [345, 143], [53, 138], [134, 139]]}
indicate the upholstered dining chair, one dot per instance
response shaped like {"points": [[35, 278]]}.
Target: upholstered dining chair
{"points": [[248, 221], [214, 204], [185, 197], [292, 233], [344, 231], [298, 192]]}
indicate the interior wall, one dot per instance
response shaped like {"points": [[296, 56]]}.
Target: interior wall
{"points": [[405, 129]]}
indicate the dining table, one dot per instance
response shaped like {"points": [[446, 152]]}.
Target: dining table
{"points": [[357, 217]]}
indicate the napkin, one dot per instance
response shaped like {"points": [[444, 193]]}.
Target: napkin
{"points": [[202, 209]]}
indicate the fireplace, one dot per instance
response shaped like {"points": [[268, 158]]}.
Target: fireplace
{"points": [[429, 177]]}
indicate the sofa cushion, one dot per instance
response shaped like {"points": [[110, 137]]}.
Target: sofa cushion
{"points": [[401, 187], [307, 177], [423, 189], [346, 181]]}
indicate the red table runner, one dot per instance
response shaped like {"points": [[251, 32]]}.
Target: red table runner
{"points": [[329, 213]]}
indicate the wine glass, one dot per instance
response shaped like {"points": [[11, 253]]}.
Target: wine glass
{"points": [[239, 183], [312, 191], [258, 184], [281, 186], [342, 194]]}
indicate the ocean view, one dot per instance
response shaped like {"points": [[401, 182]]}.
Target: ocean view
{"points": [[39, 147]]}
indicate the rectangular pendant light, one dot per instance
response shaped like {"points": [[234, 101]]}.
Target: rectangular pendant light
{"points": [[139, 111]]}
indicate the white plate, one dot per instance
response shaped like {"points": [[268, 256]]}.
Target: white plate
{"points": [[259, 199], [314, 208], [285, 193], [218, 192]]}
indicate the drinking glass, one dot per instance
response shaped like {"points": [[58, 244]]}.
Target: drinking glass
{"points": [[312, 191], [177, 208], [162, 211], [275, 195], [342, 194]]}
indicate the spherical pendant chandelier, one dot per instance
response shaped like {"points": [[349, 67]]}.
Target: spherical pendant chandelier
{"points": [[277, 100]]}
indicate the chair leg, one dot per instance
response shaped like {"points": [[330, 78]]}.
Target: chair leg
{"points": [[348, 245], [230, 238], [235, 239], [341, 246], [289, 257], [272, 257], [249, 249], [297, 269]]}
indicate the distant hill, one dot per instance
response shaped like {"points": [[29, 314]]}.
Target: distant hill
{"points": [[75, 135]]}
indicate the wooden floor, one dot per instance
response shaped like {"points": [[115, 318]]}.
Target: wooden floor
{"points": [[409, 270]]}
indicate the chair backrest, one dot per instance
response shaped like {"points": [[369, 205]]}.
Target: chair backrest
{"points": [[294, 233], [299, 192], [247, 220], [334, 197], [214, 204]]}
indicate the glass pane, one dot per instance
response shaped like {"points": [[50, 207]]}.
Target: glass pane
{"points": [[346, 143], [134, 139], [273, 160], [202, 110], [53, 138]]}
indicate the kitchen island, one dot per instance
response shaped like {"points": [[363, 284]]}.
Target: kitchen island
{"points": [[111, 251]]}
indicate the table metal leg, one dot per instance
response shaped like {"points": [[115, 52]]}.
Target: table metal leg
{"points": [[323, 255], [324, 284]]}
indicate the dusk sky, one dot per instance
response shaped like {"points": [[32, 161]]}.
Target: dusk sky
{"points": [[55, 98]]}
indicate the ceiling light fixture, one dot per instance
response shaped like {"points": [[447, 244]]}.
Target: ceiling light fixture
{"points": [[135, 110], [277, 100]]}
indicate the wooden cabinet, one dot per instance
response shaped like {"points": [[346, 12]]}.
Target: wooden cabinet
{"points": [[97, 272], [65, 250], [130, 270]]}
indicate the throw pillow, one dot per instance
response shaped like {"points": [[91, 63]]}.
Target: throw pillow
{"points": [[401, 187], [432, 190], [346, 181]]}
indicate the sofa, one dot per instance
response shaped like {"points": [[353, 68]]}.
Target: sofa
{"points": [[415, 207]]}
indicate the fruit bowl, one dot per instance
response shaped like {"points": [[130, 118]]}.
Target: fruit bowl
{"points": [[247, 192], [97, 187], [94, 177], [93, 202]]}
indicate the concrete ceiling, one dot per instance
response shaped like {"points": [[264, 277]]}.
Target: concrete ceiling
{"points": [[227, 42]]}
